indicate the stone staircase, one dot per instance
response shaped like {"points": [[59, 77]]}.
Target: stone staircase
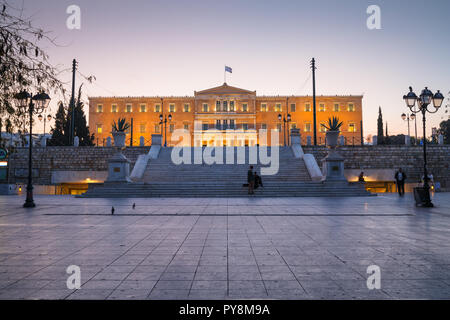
{"points": [[163, 169], [163, 178]]}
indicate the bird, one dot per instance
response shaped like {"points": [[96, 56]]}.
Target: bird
{"points": [[112, 210], [134, 206]]}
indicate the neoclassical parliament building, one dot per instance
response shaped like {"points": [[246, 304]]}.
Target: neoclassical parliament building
{"points": [[213, 112]]}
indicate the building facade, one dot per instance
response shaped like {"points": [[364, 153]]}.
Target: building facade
{"points": [[206, 117]]}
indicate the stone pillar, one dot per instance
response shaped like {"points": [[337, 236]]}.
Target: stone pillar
{"points": [[141, 141], [118, 169], [76, 142], [108, 142], [441, 139], [333, 167], [295, 137], [156, 139], [374, 140], [407, 140], [341, 141], [308, 140]]}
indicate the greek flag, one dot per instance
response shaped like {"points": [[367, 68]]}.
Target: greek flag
{"points": [[228, 69]]}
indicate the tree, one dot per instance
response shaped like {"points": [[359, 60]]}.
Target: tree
{"points": [[444, 129], [380, 135], [23, 63], [62, 129], [59, 137], [81, 128]]}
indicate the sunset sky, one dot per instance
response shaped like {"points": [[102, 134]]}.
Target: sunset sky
{"points": [[146, 47]]}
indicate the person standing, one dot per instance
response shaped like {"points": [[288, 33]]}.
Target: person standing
{"points": [[400, 178], [250, 180], [361, 177]]}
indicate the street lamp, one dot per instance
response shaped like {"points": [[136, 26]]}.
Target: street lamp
{"points": [[45, 118], [423, 101], [165, 120], [36, 105], [285, 120], [408, 117]]}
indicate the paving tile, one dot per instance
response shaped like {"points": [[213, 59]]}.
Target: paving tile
{"points": [[136, 285], [173, 285], [90, 294], [167, 294], [209, 285], [129, 294], [208, 294]]}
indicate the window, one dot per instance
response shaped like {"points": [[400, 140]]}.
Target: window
{"points": [[157, 108], [142, 128], [245, 126], [278, 107], [351, 107], [218, 107], [99, 108], [321, 107], [205, 126], [143, 108], [308, 127], [263, 107], [171, 107], [308, 107], [232, 106], [186, 126], [205, 107], [218, 126], [114, 108], [351, 127], [322, 127], [99, 128], [225, 106], [263, 126], [244, 107], [171, 128], [292, 107], [128, 108], [232, 124], [336, 107], [157, 126], [186, 107]]}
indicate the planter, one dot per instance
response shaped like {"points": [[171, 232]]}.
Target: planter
{"points": [[119, 139], [332, 138]]}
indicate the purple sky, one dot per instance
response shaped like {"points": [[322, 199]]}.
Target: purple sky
{"points": [[139, 47]]}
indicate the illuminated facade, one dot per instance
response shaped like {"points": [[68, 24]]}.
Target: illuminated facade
{"points": [[213, 112]]}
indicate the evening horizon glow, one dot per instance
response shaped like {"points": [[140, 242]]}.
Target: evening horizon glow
{"points": [[162, 48]]}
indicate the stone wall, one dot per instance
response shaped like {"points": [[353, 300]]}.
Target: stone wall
{"points": [[46, 160], [410, 158]]}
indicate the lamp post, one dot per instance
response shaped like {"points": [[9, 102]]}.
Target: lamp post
{"points": [[408, 118], [36, 105], [423, 101], [285, 120], [45, 118], [165, 120]]}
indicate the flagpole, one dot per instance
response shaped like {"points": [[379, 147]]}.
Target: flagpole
{"points": [[224, 74]]}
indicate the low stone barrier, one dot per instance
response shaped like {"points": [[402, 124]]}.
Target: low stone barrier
{"points": [[410, 158]]}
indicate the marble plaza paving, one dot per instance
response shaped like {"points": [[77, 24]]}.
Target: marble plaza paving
{"points": [[260, 248]]}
